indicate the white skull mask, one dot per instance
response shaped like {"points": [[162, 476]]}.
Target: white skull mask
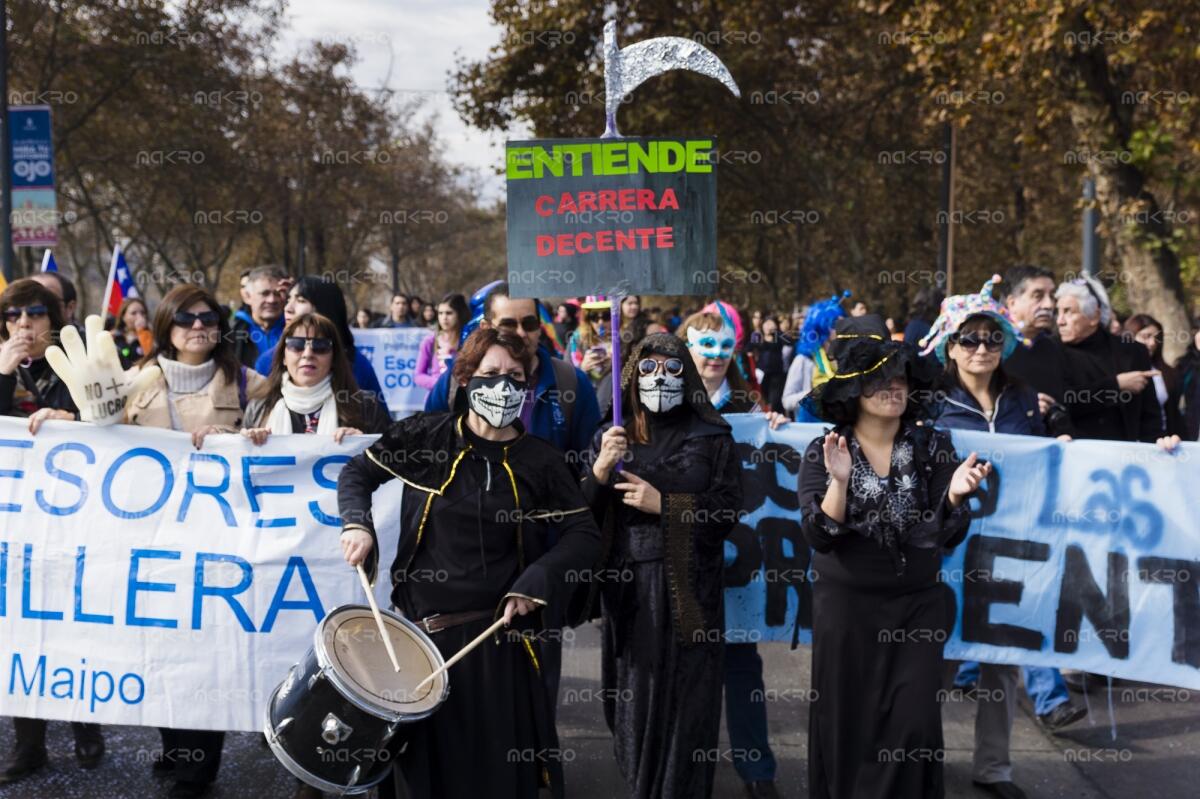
{"points": [[660, 393], [497, 400]]}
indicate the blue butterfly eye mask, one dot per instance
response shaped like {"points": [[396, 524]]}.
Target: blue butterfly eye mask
{"points": [[714, 344]]}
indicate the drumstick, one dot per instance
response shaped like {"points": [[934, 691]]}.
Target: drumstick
{"points": [[387, 641], [459, 655]]}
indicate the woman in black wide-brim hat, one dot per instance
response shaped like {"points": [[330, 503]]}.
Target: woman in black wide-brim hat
{"points": [[882, 499]]}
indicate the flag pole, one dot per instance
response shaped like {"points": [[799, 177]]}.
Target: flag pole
{"points": [[112, 274]]}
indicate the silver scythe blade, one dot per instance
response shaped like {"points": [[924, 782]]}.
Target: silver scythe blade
{"points": [[627, 68]]}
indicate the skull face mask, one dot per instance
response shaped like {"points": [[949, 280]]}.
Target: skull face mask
{"points": [[713, 344], [497, 400], [660, 391]]}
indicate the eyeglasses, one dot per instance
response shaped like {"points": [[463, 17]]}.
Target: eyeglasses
{"points": [[32, 311], [649, 366], [207, 318], [992, 342], [320, 346], [527, 323]]}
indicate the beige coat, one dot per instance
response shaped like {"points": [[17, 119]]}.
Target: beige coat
{"points": [[217, 405]]}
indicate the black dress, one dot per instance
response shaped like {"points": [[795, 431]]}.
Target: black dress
{"points": [[662, 598], [474, 528], [880, 619]]}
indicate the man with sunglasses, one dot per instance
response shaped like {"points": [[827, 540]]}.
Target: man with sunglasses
{"points": [[258, 325]]}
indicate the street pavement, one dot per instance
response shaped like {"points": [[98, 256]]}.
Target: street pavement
{"points": [[1142, 741]]}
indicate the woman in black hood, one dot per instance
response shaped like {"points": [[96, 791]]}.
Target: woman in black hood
{"points": [[664, 521]]}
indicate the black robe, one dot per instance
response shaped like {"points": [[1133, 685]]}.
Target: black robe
{"points": [[661, 592], [880, 619], [474, 531]]}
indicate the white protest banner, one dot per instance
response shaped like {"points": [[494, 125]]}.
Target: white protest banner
{"points": [[1083, 555], [393, 353], [143, 581]]}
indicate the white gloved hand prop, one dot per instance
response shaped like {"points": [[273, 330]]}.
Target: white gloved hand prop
{"points": [[98, 384]]}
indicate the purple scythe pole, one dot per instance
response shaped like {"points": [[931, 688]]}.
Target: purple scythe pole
{"points": [[624, 70]]}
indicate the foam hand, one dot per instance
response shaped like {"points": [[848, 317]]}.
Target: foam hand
{"points": [[98, 384]]}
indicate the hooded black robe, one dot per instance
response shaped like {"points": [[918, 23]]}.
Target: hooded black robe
{"points": [[661, 592], [473, 532]]}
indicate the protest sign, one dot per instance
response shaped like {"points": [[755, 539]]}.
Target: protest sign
{"points": [[1082, 555], [145, 582], [612, 216], [393, 353]]}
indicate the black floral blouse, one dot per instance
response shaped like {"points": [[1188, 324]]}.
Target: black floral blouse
{"points": [[907, 507]]}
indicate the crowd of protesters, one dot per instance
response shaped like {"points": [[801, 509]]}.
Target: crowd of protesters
{"points": [[1026, 355]]}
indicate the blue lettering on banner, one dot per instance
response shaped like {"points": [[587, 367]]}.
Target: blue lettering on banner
{"points": [[216, 492], [136, 586], [16, 474], [93, 686], [168, 483], [295, 565], [92, 618], [67, 477], [27, 580], [253, 490], [318, 473], [225, 592]]}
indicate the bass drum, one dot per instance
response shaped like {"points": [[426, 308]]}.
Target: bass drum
{"points": [[337, 721]]}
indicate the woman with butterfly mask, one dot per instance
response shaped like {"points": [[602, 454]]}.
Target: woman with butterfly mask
{"points": [[712, 344], [665, 518], [480, 497]]}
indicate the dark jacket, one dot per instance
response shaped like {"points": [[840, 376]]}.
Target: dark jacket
{"points": [[1189, 389], [41, 388], [1099, 409], [1016, 411]]}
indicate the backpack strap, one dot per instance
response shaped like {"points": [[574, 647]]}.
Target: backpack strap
{"points": [[566, 381]]}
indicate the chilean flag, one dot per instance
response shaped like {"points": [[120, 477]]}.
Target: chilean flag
{"points": [[120, 282]]}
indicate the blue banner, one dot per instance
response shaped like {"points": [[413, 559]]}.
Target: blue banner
{"points": [[32, 151], [1083, 555]]}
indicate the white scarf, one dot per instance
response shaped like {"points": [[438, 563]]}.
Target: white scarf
{"points": [[304, 401]]}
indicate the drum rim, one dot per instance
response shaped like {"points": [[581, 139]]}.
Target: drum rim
{"points": [[352, 694], [301, 773]]}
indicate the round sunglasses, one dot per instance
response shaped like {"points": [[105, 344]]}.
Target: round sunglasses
{"points": [[649, 366]]}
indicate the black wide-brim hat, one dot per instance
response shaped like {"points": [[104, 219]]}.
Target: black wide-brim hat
{"points": [[870, 361]]}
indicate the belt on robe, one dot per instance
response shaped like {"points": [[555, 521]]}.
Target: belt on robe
{"points": [[444, 621]]}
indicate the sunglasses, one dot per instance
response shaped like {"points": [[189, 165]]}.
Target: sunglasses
{"points": [[320, 346], [207, 318], [649, 366], [878, 386], [32, 311], [527, 323], [992, 342]]}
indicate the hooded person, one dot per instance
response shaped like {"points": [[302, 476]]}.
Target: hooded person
{"points": [[479, 498], [881, 499], [664, 521]]}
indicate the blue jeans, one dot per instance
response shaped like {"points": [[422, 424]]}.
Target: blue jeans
{"points": [[746, 714], [1044, 685]]}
